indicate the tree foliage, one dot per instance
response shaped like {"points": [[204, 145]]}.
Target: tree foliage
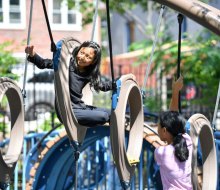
{"points": [[200, 65], [119, 6], [6, 61]]}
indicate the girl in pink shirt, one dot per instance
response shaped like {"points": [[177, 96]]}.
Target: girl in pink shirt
{"points": [[175, 158]]}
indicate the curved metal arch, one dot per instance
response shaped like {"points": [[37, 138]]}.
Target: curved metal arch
{"points": [[8, 161], [200, 131], [75, 131], [126, 160], [202, 13]]}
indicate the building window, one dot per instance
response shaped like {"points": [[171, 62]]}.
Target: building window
{"points": [[12, 14], [14, 11], [63, 17]]}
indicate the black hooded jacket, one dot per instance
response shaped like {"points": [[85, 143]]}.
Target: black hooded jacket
{"points": [[77, 80]]}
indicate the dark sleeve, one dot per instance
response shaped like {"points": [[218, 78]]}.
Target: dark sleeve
{"points": [[40, 62], [105, 86]]}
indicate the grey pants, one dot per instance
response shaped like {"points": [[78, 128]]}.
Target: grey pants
{"points": [[92, 116]]}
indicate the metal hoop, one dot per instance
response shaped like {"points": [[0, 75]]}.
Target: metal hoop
{"points": [[75, 131], [126, 159], [8, 161], [201, 131]]}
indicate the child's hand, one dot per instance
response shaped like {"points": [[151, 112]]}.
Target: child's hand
{"points": [[30, 50], [178, 84]]}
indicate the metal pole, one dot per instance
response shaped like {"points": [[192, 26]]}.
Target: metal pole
{"points": [[94, 19], [153, 48], [28, 42]]}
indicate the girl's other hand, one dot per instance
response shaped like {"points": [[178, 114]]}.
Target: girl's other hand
{"points": [[178, 84], [30, 50]]}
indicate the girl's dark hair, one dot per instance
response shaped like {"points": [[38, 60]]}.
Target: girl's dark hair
{"points": [[93, 69], [175, 124]]}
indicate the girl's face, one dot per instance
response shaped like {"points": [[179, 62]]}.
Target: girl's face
{"points": [[162, 132], [85, 57], [165, 135]]}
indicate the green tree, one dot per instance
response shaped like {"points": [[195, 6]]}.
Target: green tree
{"points": [[200, 65], [6, 61], [123, 7]]}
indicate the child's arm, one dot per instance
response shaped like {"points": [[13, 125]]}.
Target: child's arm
{"points": [[40, 62], [176, 87], [153, 139]]}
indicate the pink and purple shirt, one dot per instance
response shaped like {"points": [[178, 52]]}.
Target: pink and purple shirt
{"points": [[175, 175]]}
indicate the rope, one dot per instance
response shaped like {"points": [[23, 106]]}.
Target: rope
{"points": [[94, 19], [216, 109], [153, 48], [28, 42], [110, 43], [53, 46], [180, 20]]}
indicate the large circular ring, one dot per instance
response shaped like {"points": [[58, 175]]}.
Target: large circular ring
{"points": [[8, 161], [127, 158], [75, 131], [201, 132]]}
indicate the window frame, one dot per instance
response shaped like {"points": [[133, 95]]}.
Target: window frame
{"points": [[6, 16], [64, 26]]}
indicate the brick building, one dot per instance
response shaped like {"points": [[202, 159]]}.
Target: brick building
{"points": [[14, 26], [14, 23]]}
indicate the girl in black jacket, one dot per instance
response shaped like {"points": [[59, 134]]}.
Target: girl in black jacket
{"points": [[84, 68]]}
